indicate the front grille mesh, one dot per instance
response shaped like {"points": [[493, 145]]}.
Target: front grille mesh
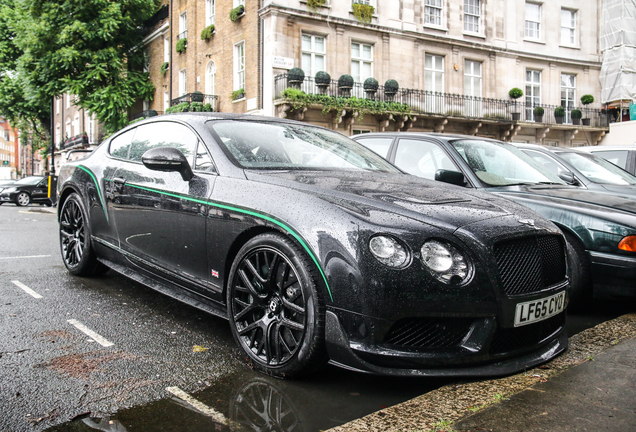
{"points": [[515, 339], [428, 332], [530, 264]]}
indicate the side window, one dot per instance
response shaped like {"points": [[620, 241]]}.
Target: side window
{"points": [[379, 145], [422, 158], [617, 157], [163, 134], [203, 161], [546, 162], [120, 144]]}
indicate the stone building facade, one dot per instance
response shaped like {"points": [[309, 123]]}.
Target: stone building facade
{"points": [[455, 62]]}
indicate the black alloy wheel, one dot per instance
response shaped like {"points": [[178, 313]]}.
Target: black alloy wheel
{"points": [[580, 274], [77, 252], [22, 199], [275, 308]]}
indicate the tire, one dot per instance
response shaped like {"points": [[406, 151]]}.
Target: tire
{"points": [[580, 274], [275, 307], [75, 239], [22, 199]]}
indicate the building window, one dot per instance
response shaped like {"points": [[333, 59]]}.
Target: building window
{"points": [[361, 61], [210, 78], [533, 20], [76, 124], [183, 83], [58, 133], [433, 12], [472, 78], [166, 49], [313, 54], [472, 15], [568, 94], [568, 26], [58, 103], [433, 73], [533, 92], [68, 100], [210, 9], [183, 26], [91, 128], [166, 101], [238, 3], [68, 132], [239, 66]]}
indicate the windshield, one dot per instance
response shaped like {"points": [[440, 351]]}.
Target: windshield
{"points": [[501, 164], [29, 181], [598, 170], [265, 145]]}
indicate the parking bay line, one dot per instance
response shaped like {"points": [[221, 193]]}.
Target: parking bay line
{"points": [[198, 405], [97, 338], [27, 290], [25, 257]]}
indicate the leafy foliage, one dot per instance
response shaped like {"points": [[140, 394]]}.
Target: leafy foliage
{"points": [[237, 12], [345, 81], [538, 111], [322, 77], [313, 5], [371, 84], [391, 86], [587, 99], [515, 93], [296, 74], [559, 112], [576, 114], [189, 107], [237, 94], [207, 32], [164, 67], [181, 45], [363, 12]]}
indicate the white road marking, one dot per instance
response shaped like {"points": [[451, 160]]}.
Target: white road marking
{"points": [[25, 257], [27, 289], [198, 405], [97, 338]]}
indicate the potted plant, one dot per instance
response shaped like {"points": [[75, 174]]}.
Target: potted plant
{"points": [[391, 88], [576, 116], [345, 84], [164, 68], [313, 5], [295, 77], [323, 80], [559, 114], [515, 93], [197, 96], [237, 94], [538, 114], [237, 13], [586, 100], [207, 33], [370, 87], [363, 12], [181, 45]]}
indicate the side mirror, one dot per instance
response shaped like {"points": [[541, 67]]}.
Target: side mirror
{"points": [[568, 177], [449, 176], [167, 159]]}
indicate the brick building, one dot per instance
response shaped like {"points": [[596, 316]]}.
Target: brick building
{"points": [[455, 62], [9, 151]]}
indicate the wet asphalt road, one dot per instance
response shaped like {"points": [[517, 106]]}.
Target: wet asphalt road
{"points": [[52, 375]]}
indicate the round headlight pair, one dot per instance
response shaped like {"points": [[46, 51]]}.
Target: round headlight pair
{"points": [[445, 262], [389, 251]]}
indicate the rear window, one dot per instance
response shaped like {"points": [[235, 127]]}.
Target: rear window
{"points": [[617, 157]]}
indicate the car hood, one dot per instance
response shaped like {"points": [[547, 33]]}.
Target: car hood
{"points": [[569, 195], [424, 200]]}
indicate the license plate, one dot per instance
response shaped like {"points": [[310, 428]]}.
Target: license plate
{"points": [[538, 310]]}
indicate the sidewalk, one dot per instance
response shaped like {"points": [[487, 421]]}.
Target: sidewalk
{"points": [[591, 387]]}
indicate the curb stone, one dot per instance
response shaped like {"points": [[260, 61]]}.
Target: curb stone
{"points": [[450, 403]]}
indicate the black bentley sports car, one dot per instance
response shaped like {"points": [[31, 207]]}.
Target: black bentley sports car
{"points": [[316, 249]]}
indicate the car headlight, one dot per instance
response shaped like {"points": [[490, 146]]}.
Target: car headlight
{"points": [[11, 189], [389, 251], [445, 262]]}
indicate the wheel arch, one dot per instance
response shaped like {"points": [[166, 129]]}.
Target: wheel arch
{"points": [[63, 196]]}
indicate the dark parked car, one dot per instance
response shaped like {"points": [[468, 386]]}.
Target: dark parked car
{"points": [[583, 169], [34, 189], [623, 156], [315, 248], [600, 228]]}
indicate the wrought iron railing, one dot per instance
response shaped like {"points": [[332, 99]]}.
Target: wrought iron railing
{"points": [[213, 100], [447, 104], [182, 35]]}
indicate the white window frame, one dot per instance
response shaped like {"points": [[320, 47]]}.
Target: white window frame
{"points": [[434, 11], [210, 81], [238, 3], [239, 66], [210, 12], [569, 101], [471, 76], [58, 105], [76, 124], [68, 133], [183, 82], [472, 9], [183, 25], [58, 133], [166, 49], [68, 100], [313, 52], [361, 61], [529, 20], [532, 100], [91, 128], [166, 101], [568, 31], [433, 72]]}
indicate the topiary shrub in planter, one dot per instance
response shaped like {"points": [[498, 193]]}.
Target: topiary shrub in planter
{"points": [[207, 33], [164, 68], [363, 12], [515, 93], [576, 116], [197, 96], [237, 94], [181, 45], [586, 100], [559, 114], [345, 84], [295, 77], [370, 87], [237, 13], [391, 87], [323, 80], [538, 114]]}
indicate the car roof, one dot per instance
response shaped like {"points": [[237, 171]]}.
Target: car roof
{"points": [[441, 136], [549, 148], [607, 147]]}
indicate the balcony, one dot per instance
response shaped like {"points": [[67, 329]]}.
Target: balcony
{"points": [[438, 109], [213, 100], [76, 141], [146, 114]]}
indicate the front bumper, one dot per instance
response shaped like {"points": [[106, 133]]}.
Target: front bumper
{"points": [[613, 275]]}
